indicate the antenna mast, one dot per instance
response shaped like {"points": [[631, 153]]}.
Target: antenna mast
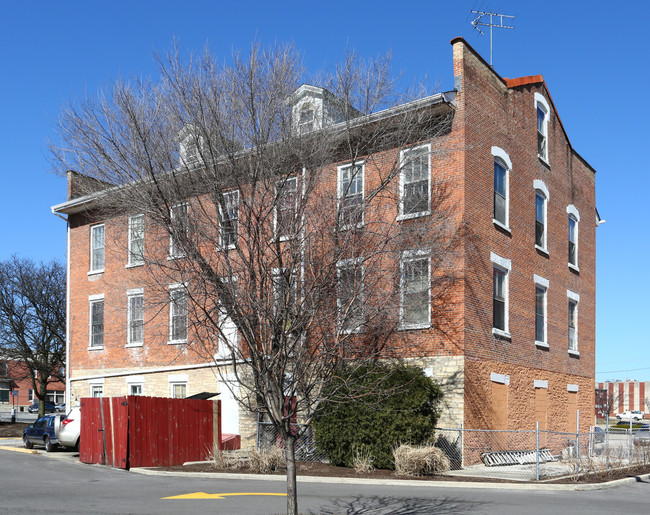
{"points": [[478, 21]]}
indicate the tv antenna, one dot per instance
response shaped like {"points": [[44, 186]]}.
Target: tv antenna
{"points": [[481, 21]]}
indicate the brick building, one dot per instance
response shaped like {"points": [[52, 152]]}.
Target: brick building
{"points": [[620, 396], [15, 377], [521, 340]]}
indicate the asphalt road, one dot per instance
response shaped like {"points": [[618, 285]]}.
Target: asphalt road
{"points": [[33, 483]]}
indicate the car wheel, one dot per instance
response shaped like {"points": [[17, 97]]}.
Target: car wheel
{"points": [[76, 446], [49, 446], [26, 443]]}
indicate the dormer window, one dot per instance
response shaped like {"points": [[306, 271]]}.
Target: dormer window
{"points": [[306, 119], [190, 146]]}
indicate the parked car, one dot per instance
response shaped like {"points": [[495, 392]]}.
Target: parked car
{"points": [[49, 407], [60, 408], [631, 415], [42, 433], [69, 428]]}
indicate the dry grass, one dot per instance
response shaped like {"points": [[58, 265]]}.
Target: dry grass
{"points": [[224, 460], [420, 461], [363, 461], [267, 460]]}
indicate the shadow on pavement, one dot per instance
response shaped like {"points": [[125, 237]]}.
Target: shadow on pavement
{"points": [[398, 506]]}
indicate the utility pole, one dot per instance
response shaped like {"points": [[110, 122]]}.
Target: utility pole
{"points": [[481, 20]]}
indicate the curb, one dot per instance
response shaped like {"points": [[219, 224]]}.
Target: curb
{"points": [[17, 449], [399, 482]]}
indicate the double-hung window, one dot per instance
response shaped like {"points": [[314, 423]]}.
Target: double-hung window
{"points": [[542, 111], [286, 208], [179, 229], [541, 210], [306, 119], [285, 295], [178, 390], [178, 314], [229, 219], [96, 321], [500, 276], [541, 289], [502, 167], [350, 193], [96, 390], [135, 317], [415, 182], [415, 283], [350, 295], [136, 240], [574, 222], [97, 248], [573, 300]]}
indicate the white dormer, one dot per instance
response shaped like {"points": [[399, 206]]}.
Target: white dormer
{"points": [[313, 108], [189, 144]]}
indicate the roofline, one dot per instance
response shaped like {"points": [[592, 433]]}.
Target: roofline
{"points": [[79, 204]]}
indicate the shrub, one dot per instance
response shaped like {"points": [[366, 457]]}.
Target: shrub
{"points": [[363, 461], [376, 407], [420, 461], [267, 460]]}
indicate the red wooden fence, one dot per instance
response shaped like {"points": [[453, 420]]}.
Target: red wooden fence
{"points": [[137, 431]]}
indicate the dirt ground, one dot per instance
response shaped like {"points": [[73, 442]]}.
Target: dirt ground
{"points": [[324, 470], [9, 430]]}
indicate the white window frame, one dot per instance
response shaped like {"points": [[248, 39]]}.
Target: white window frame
{"points": [[350, 264], [96, 386], [93, 250], [94, 300], [132, 259], [541, 190], [175, 252], [498, 154], [409, 256], [503, 265], [173, 288], [543, 284], [341, 194], [574, 298], [279, 191], [130, 295], [542, 104], [574, 214], [177, 380], [426, 149], [306, 126], [227, 201]]}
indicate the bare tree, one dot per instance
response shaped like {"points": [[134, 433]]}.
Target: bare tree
{"points": [[285, 271], [32, 320]]}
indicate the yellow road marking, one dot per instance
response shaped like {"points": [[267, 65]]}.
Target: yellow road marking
{"points": [[203, 495], [17, 449]]}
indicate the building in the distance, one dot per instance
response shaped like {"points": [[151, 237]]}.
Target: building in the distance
{"points": [[618, 396], [520, 344], [17, 389]]}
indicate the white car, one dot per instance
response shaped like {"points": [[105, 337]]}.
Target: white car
{"points": [[631, 415], [68, 429]]}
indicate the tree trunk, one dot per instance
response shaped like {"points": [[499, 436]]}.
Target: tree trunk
{"points": [[290, 456]]}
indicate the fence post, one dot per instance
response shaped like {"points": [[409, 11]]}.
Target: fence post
{"points": [[607, 442], [537, 449], [460, 445]]}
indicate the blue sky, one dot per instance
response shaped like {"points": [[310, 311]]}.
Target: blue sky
{"points": [[594, 60]]}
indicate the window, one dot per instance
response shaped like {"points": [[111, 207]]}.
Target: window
{"points": [[97, 248], [178, 230], [96, 390], [96, 321], [135, 389], [286, 208], [502, 167], [229, 219], [135, 317], [415, 282], [573, 300], [500, 274], [540, 219], [415, 180], [350, 196], [136, 240], [542, 109], [350, 295], [178, 314], [574, 220], [30, 395], [541, 287], [306, 120], [178, 390], [285, 295], [4, 370]]}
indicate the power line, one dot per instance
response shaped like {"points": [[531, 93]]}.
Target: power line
{"points": [[626, 370]]}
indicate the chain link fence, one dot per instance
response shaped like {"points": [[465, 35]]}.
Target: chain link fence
{"points": [[531, 455]]}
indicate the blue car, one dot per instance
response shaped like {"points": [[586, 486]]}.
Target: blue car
{"points": [[42, 433]]}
